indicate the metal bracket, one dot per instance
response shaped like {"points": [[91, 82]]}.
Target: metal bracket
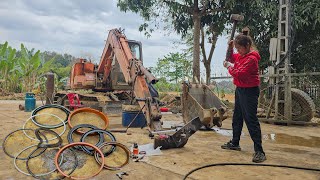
{"points": [[180, 138]]}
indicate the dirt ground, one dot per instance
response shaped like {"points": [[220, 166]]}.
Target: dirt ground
{"points": [[295, 146]]}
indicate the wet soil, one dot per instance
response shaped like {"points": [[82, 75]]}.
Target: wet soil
{"points": [[293, 145]]}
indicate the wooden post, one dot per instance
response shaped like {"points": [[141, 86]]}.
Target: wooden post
{"points": [[50, 88]]}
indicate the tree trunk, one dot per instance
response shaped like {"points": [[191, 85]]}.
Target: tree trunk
{"points": [[207, 61], [208, 64], [196, 43]]}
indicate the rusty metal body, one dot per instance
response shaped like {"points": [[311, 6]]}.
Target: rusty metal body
{"points": [[82, 75], [120, 69], [199, 101], [180, 137]]}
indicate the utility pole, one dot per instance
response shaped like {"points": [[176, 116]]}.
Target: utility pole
{"points": [[283, 99]]}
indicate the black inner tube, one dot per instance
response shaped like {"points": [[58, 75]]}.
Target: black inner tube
{"points": [[7, 153], [123, 147], [72, 130], [27, 163], [100, 131], [41, 144], [34, 112]]}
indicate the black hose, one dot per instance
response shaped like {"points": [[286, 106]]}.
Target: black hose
{"points": [[7, 153], [34, 112], [100, 131], [72, 130], [249, 164]]}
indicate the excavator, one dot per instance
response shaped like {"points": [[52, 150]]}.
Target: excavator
{"points": [[121, 70]]}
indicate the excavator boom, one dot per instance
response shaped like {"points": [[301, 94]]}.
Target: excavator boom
{"points": [[121, 68], [135, 74]]}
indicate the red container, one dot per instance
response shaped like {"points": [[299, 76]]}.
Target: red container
{"points": [[164, 109]]}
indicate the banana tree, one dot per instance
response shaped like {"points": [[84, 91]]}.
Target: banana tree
{"points": [[15, 84], [29, 62], [7, 64]]}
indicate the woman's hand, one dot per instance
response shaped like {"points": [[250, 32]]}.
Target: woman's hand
{"points": [[230, 44], [227, 64]]}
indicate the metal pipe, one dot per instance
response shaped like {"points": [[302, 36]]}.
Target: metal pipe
{"points": [[150, 78]]}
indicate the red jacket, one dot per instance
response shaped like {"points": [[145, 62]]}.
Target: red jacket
{"points": [[245, 71]]}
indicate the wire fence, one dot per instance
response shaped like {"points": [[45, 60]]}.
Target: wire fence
{"points": [[305, 94]]}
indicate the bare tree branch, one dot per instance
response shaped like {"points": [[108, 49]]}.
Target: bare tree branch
{"points": [[202, 46], [213, 46], [213, 11], [204, 6]]}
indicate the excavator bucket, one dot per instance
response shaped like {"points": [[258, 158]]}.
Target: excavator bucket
{"points": [[198, 100]]}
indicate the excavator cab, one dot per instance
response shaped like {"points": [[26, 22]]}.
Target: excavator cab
{"points": [[136, 49], [118, 81]]}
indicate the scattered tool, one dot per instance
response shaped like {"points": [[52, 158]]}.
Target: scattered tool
{"points": [[120, 174], [235, 18], [139, 158]]}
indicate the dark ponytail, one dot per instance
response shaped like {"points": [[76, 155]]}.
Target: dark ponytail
{"points": [[243, 40]]}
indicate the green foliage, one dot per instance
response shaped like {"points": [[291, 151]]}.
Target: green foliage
{"points": [[171, 70], [28, 64], [177, 15], [59, 59], [305, 49], [174, 67], [22, 71], [7, 61], [63, 72], [262, 18], [164, 86]]}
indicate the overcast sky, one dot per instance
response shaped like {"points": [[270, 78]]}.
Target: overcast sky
{"points": [[79, 28]]}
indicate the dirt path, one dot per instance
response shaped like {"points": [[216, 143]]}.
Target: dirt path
{"points": [[296, 146]]}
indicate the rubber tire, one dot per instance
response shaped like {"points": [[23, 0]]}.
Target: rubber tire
{"points": [[305, 102]]}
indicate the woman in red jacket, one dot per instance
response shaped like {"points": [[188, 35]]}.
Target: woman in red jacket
{"points": [[243, 67]]}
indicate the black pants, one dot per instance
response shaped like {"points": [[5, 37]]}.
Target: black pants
{"points": [[246, 104]]}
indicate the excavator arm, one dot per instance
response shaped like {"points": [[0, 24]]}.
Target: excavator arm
{"points": [[135, 74], [121, 68]]}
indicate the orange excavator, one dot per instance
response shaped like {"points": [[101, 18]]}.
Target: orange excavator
{"points": [[121, 69]]}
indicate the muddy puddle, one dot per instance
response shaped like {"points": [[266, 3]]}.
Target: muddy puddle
{"points": [[281, 138], [278, 138], [224, 132]]}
